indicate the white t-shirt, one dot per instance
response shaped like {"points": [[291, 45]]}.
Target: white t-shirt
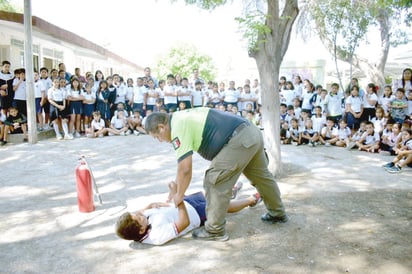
{"points": [[334, 104], [152, 95], [318, 123], [384, 102], [288, 96], [231, 95], [97, 125], [88, 96], [57, 95], [356, 103], [342, 134], [120, 94], [20, 92], [372, 96], [118, 123], [163, 221], [185, 97], [38, 89], [249, 97], [139, 93], [170, 99], [197, 97], [370, 139]]}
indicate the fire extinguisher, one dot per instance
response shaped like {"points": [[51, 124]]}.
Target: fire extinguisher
{"points": [[84, 187]]}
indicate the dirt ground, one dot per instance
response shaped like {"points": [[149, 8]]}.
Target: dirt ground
{"points": [[347, 215]]}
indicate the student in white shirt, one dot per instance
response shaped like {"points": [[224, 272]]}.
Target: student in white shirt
{"points": [[333, 103], [40, 98], [231, 95], [185, 94], [170, 94], [354, 108]]}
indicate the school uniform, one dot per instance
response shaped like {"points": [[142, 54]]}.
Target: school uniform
{"points": [[58, 96]]}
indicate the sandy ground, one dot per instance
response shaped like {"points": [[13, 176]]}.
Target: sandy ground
{"points": [[347, 215]]}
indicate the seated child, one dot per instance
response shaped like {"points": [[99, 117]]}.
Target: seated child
{"points": [[15, 123], [118, 124], [159, 223], [341, 135], [294, 132], [2, 126], [309, 135], [97, 127], [135, 123], [370, 139], [284, 133], [326, 133], [391, 140], [357, 135], [404, 154]]}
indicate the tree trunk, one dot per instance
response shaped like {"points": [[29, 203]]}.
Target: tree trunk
{"points": [[271, 49]]}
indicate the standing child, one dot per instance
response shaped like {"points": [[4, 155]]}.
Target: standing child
{"points": [[102, 101], [40, 97], [385, 99], [370, 139], [399, 106], [15, 123], [198, 96], [75, 99], [333, 103], [318, 119], [129, 96], [58, 109], [354, 108], [185, 94], [379, 121], [19, 88], [88, 104], [152, 95]]}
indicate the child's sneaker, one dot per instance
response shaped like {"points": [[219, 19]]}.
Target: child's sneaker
{"points": [[388, 165], [394, 169], [110, 134], [327, 144], [59, 137], [77, 134], [258, 199], [68, 137], [135, 132], [122, 133], [100, 135]]}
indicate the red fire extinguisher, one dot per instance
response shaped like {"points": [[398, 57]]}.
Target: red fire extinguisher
{"points": [[84, 187]]}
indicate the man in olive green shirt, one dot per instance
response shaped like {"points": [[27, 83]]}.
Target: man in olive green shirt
{"points": [[233, 146]]}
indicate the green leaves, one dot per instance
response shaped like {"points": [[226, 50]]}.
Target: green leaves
{"points": [[182, 60], [254, 28]]}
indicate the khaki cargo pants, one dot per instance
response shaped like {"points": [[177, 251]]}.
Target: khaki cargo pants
{"points": [[244, 153]]}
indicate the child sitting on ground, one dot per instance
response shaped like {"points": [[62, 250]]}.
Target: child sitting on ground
{"points": [[97, 127], [309, 135], [294, 132], [341, 135], [357, 135], [404, 154], [391, 140], [370, 139], [135, 123], [118, 124], [326, 133], [15, 123]]}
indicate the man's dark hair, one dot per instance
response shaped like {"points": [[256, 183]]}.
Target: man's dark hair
{"points": [[154, 119]]}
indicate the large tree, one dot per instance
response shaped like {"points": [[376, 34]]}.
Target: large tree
{"points": [[183, 59], [388, 16], [268, 49]]}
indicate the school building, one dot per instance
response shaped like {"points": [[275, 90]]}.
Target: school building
{"points": [[53, 45]]}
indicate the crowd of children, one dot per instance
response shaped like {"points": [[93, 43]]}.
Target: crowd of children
{"points": [[353, 118], [95, 106]]}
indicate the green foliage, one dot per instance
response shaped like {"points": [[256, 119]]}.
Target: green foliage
{"points": [[253, 28], [5, 5], [345, 22], [183, 59]]}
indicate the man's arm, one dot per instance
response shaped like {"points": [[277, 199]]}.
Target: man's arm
{"points": [[183, 220], [183, 178]]}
